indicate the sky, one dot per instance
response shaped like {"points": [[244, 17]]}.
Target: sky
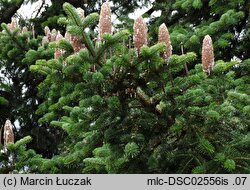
{"points": [[30, 10]]}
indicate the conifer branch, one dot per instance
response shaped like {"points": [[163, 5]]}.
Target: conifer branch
{"points": [[186, 165], [89, 20], [14, 39], [69, 9], [110, 41], [182, 52]]}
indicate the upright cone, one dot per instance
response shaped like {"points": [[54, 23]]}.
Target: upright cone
{"points": [[105, 24], [80, 11], [207, 54], [77, 43], [53, 35], [13, 25], [24, 29], [59, 36], [8, 133], [164, 37], [140, 34], [46, 30], [47, 33], [67, 36], [58, 52], [45, 40]]}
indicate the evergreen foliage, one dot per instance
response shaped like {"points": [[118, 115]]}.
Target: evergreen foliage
{"points": [[18, 90], [128, 109], [18, 86], [190, 20]]}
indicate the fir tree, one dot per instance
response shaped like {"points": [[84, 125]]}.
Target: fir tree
{"points": [[135, 109], [135, 114]]}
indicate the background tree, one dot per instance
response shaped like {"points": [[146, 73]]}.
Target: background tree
{"points": [[22, 87]]}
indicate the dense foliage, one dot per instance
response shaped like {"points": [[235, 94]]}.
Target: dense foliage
{"points": [[18, 86], [227, 22], [121, 110]]}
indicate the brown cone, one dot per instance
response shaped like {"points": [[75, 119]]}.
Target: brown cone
{"points": [[207, 54], [53, 35], [164, 37], [13, 25], [8, 133], [46, 30], [105, 24], [80, 11], [140, 34], [58, 51], [77, 43], [67, 36], [45, 40], [24, 29], [59, 36]]}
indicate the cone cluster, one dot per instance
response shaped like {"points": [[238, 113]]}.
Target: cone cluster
{"points": [[54, 35], [14, 25], [50, 36], [140, 37]]}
